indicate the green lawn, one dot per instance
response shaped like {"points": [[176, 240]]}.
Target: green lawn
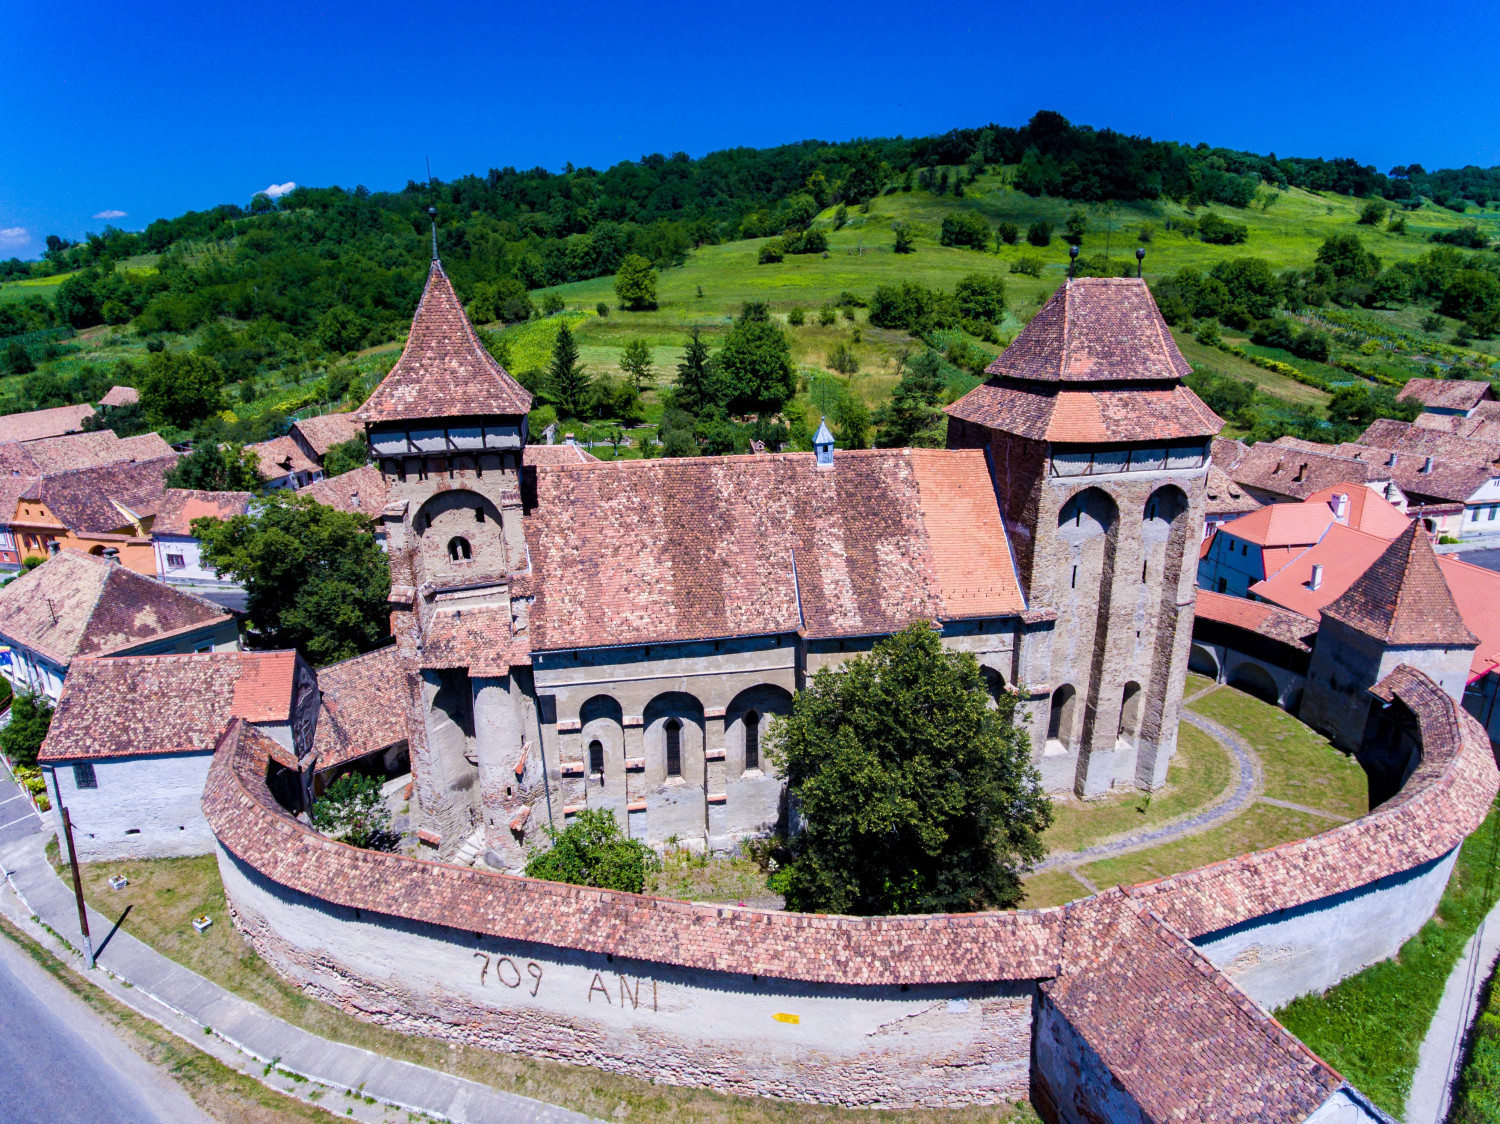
{"points": [[1370, 1027], [1054, 887], [1299, 765]]}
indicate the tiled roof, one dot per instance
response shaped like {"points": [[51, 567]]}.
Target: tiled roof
{"points": [[1425, 475], [1288, 471], [1225, 497], [1344, 554], [1404, 438], [479, 639], [1483, 425], [1174, 1032], [1402, 598], [85, 499], [1094, 329], [121, 396], [77, 605], [1476, 592], [279, 457], [36, 424], [180, 506], [327, 430], [1365, 511], [444, 371], [361, 490], [1228, 452], [1093, 414], [1446, 394], [128, 706], [552, 455], [1282, 524], [1268, 620], [359, 714], [681, 549], [62, 454], [145, 446]]}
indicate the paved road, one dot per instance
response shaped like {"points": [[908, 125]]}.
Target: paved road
{"points": [[60, 1063], [1489, 559]]}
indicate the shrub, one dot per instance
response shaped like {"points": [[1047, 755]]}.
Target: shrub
{"points": [[772, 252], [1147, 231], [796, 317], [1031, 265], [1039, 233], [1076, 226], [1469, 235], [30, 718], [346, 456], [591, 851], [1274, 332], [602, 309], [1396, 224], [1311, 345], [980, 297], [1372, 212], [1208, 332], [965, 229], [1220, 231], [804, 242], [842, 360], [906, 242], [827, 317], [1346, 257], [18, 360], [352, 811], [552, 304], [1008, 233]]}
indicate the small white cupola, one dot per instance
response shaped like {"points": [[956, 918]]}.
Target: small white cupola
{"points": [[823, 444]]}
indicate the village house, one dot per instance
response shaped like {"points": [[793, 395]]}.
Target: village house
{"points": [[1226, 501], [1450, 397], [316, 435], [77, 605], [282, 464], [359, 730], [118, 396], [1277, 471], [34, 425], [179, 553], [105, 508], [133, 736]]}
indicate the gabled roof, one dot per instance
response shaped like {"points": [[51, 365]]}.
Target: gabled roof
{"points": [[634, 552], [1094, 329], [1343, 553], [360, 490], [1446, 394], [1364, 510], [1282, 524], [1298, 472], [130, 706], [1402, 438], [535, 456], [180, 506], [358, 715], [145, 446], [444, 371], [77, 605], [36, 424], [1228, 452], [121, 396], [327, 430], [1482, 425], [1225, 497], [90, 499], [1402, 599], [1263, 618], [280, 456], [1423, 474]]}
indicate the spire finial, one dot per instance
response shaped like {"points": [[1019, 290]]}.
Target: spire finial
{"points": [[432, 214]]}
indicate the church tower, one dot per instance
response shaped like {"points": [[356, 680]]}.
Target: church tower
{"points": [[1099, 455]]}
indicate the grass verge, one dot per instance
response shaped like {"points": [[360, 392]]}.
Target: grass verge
{"points": [[1476, 1100], [1370, 1026]]}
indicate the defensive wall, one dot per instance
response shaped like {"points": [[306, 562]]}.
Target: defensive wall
{"points": [[1144, 996]]}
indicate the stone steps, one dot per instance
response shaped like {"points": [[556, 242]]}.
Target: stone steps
{"points": [[473, 847]]}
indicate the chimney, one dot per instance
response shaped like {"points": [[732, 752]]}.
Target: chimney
{"points": [[1301, 472], [1427, 465], [111, 555], [1317, 577], [823, 444], [1339, 502], [53, 546], [1392, 461]]}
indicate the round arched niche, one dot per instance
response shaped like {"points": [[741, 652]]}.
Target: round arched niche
{"points": [[460, 530]]}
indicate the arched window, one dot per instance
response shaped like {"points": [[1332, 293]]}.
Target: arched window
{"points": [[674, 747], [1130, 714], [596, 757], [1060, 722], [752, 740], [458, 549]]}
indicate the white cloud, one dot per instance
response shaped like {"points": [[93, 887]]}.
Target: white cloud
{"points": [[13, 237], [277, 190], [110, 215]]}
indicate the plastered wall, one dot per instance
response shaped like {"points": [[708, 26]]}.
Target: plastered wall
{"points": [[142, 807]]}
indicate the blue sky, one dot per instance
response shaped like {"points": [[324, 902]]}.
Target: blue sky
{"points": [[129, 112]]}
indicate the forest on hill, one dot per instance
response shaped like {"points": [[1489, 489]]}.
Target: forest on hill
{"points": [[869, 280]]}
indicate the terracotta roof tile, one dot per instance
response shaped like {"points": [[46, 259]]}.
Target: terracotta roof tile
{"points": [[128, 706], [692, 548], [1282, 524], [1402, 598], [121, 396], [90, 499], [1286, 470], [279, 457], [1483, 426], [444, 371], [1365, 511], [554, 455], [1259, 617], [1228, 452], [180, 506], [1344, 555], [327, 430], [146, 446], [1446, 394], [1225, 497], [1095, 414], [361, 490], [1476, 592], [359, 715], [1403, 437], [36, 424], [478, 638]]}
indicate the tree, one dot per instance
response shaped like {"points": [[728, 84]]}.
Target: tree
{"points": [[635, 284], [18, 360], [636, 362], [1372, 212], [567, 382], [1251, 286], [340, 329], [346, 456], [980, 297], [592, 851], [965, 229], [181, 388], [913, 416], [1469, 294], [212, 467], [756, 361], [30, 718], [698, 386], [1347, 257], [1219, 231], [862, 180], [1077, 226], [316, 578], [917, 792], [1007, 233], [352, 811], [1039, 233]]}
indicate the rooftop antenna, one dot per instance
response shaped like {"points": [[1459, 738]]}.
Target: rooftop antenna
{"points": [[1072, 260], [432, 214], [1140, 258]]}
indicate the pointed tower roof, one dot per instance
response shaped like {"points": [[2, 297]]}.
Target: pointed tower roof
{"points": [[1403, 599], [444, 371]]}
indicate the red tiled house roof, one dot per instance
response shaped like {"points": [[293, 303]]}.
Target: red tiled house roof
{"points": [[129, 706], [1402, 598], [86, 499], [1476, 592], [78, 605], [535, 456], [358, 715], [1343, 554], [709, 547], [36, 424], [1446, 394], [444, 371], [1225, 497], [121, 396], [1404, 438], [323, 432], [1285, 470], [180, 506], [362, 490], [280, 456], [1271, 621]]}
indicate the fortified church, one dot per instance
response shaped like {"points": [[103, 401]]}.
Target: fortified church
{"points": [[618, 634]]}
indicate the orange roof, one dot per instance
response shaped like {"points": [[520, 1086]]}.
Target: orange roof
{"points": [[1344, 553], [1403, 599], [180, 506], [1476, 592], [1257, 616], [263, 691], [1282, 524], [1368, 512]]}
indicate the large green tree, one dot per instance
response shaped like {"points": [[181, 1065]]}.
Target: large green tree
{"points": [[567, 381], [317, 581], [635, 284], [346, 456], [914, 414], [699, 385], [30, 718], [916, 789], [213, 467], [756, 361], [181, 388], [635, 361]]}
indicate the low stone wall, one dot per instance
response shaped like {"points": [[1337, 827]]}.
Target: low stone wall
{"points": [[934, 1010]]}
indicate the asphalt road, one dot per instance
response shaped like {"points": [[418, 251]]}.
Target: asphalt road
{"points": [[59, 1062], [1489, 559]]}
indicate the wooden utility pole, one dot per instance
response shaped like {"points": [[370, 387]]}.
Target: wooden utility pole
{"points": [[83, 914]]}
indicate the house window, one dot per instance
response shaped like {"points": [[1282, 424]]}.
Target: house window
{"points": [[176, 561], [458, 549], [674, 747], [596, 758], [204, 646], [752, 740], [1493, 508], [83, 776], [1223, 584]]}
